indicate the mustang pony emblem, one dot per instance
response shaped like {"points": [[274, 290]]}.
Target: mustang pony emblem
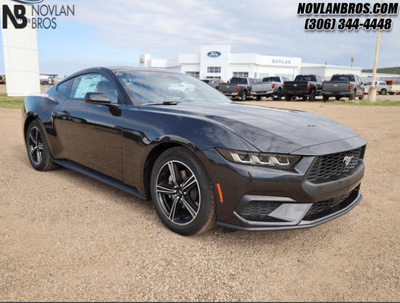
{"points": [[347, 160]]}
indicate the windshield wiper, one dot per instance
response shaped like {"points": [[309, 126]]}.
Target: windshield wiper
{"points": [[163, 103]]}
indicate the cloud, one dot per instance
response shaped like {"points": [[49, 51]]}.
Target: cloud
{"points": [[168, 28]]}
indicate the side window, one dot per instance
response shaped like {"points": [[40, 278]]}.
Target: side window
{"points": [[93, 83], [63, 88]]}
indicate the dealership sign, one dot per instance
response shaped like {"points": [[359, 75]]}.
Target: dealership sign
{"points": [[44, 16], [214, 54]]}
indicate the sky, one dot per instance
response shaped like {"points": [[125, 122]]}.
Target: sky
{"points": [[118, 32]]}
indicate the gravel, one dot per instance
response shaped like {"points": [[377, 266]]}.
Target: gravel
{"points": [[66, 237]]}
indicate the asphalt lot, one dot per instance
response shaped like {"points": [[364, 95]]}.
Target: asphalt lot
{"points": [[66, 237]]}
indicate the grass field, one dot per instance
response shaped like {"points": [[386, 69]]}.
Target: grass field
{"points": [[387, 70], [366, 102], [11, 102]]}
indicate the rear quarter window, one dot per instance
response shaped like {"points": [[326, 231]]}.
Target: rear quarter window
{"points": [[63, 88]]}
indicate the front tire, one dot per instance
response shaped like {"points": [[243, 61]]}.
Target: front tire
{"points": [[181, 192], [383, 91], [38, 150]]}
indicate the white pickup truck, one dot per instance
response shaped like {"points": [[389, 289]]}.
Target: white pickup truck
{"points": [[384, 87]]}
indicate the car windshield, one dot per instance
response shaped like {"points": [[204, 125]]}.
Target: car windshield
{"points": [[305, 78], [342, 78], [156, 87]]}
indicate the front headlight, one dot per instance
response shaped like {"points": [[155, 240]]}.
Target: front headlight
{"points": [[261, 159]]}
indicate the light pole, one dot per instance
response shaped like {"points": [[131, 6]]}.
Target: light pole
{"points": [[372, 90], [352, 60]]}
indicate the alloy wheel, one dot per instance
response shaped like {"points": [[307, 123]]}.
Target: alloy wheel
{"points": [[35, 145], [178, 192]]}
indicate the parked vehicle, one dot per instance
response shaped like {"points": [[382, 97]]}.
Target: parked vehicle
{"points": [[339, 86], [199, 157], [213, 82], [303, 86], [246, 87], [393, 87], [278, 80], [367, 86], [2, 79], [46, 79]]}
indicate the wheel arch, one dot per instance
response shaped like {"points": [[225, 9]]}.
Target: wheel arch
{"points": [[152, 157]]}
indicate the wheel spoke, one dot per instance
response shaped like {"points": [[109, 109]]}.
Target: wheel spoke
{"points": [[38, 156], [162, 189], [37, 135], [174, 173], [40, 146], [189, 183], [33, 149], [173, 209], [32, 138], [189, 206]]}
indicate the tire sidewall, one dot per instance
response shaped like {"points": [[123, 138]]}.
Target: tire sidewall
{"points": [[45, 155], [186, 157]]}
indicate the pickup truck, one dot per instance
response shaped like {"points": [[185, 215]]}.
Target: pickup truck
{"points": [[343, 86], [393, 87], [278, 80], [303, 86], [245, 87]]}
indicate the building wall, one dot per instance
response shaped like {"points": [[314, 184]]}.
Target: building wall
{"points": [[327, 71], [21, 58]]}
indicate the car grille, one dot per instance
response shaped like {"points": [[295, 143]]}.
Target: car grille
{"points": [[258, 211], [325, 205], [328, 166]]}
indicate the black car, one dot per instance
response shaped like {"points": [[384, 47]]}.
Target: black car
{"points": [[200, 158]]}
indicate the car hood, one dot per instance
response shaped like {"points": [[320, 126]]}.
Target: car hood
{"points": [[271, 129]]}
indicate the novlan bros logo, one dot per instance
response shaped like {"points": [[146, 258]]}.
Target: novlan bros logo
{"points": [[43, 16]]}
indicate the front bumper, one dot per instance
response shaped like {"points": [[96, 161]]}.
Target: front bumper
{"points": [[261, 198], [296, 215]]}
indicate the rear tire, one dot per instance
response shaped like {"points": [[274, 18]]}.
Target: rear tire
{"points": [[383, 91], [39, 154], [182, 194], [304, 98], [259, 98], [313, 95], [337, 98], [325, 98], [279, 95], [352, 96], [243, 96], [288, 97]]}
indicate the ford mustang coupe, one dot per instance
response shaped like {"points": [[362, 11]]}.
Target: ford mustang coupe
{"points": [[201, 159]]}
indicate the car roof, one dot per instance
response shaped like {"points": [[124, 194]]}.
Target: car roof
{"points": [[114, 69]]}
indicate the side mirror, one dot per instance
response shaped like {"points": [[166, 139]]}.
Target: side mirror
{"points": [[98, 98]]}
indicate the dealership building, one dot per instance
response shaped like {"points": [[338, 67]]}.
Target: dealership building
{"points": [[218, 62]]}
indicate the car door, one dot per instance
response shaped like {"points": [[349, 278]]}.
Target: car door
{"points": [[89, 132]]}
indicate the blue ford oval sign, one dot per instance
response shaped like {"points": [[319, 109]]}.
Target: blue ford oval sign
{"points": [[29, 1], [214, 54]]}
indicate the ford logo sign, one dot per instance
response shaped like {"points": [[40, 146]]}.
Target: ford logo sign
{"points": [[214, 54], [29, 1]]}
